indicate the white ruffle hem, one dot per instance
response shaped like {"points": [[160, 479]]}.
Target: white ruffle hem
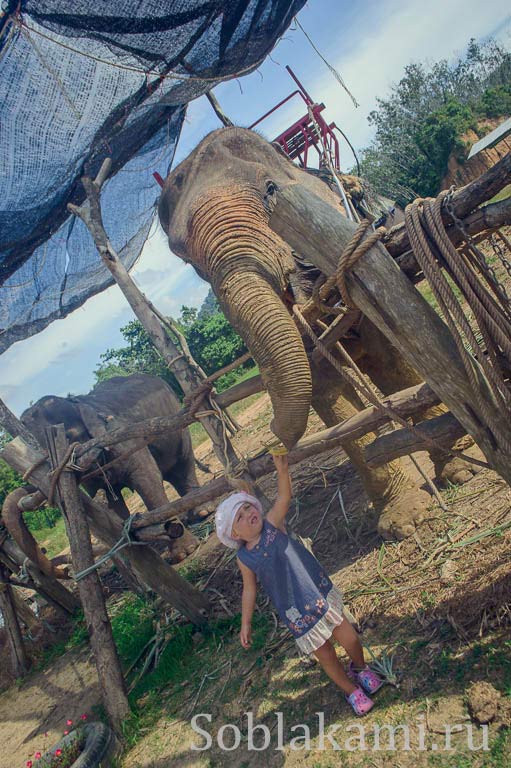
{"points": [[322, 630]]}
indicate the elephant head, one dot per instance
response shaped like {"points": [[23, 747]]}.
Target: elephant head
{"points": [[80, 420], [215, 209]]}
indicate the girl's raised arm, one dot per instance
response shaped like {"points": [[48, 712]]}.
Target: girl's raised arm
{"points": [[278, 512]]}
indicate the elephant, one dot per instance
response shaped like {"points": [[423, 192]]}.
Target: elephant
{"points": [[117, 402], [215, 207]]}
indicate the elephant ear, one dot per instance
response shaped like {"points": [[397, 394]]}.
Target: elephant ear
{"points": [[95, 422]]}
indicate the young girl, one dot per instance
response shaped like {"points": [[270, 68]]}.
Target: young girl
{"points": [[304, 596]]}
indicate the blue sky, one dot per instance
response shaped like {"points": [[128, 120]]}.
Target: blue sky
{"points": [[369, 43]]}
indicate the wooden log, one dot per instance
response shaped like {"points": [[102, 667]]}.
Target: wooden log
{"points": [[53, 591], [146, 430], [111, 681], [486, 219], [386, 296], [444, 429], [464, 201], [108, 527], [240, 391], [24, 612], [19, 660]]}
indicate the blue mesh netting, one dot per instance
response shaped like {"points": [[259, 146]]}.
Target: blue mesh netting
{"points": [[80, 81]]}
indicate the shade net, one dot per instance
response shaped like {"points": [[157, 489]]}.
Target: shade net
{"points": [[81, 81]]}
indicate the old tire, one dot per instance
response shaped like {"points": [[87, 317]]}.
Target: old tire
{"points": [[97, 738]]}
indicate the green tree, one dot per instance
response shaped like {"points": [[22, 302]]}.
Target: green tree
{"points": [[212, 341], [421, 121]]}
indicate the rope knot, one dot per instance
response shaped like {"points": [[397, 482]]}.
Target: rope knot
{"points": [[357, 246]]}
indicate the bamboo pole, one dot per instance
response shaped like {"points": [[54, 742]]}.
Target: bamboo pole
{"points": [[111, 681]]}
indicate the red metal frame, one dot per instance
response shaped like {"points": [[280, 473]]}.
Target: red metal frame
{"points": [[303, 134]]}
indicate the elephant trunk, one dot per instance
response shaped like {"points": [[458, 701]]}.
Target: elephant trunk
{"points": [[12, 517], [248, 265]]}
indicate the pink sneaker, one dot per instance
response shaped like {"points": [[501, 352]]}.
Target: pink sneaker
{"points": [[368, 680], [359, 702]]}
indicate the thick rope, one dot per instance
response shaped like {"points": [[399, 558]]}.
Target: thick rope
{"points": [[431, 245]]}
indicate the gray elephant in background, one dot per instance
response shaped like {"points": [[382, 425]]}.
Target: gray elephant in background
{"points": [[117, 402]]}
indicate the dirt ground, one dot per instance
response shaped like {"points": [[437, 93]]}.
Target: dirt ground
{"points": [[439, 602], [433, 601]]}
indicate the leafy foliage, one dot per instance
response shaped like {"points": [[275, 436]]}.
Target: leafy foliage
{"points": [[9, 481], [212, 341], [420, 124]]}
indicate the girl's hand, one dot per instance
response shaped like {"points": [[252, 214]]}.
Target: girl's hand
{"points": [[246, 635], [281, 462]]}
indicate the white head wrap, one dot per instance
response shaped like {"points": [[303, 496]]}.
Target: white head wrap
{"points": [[226, 512]]}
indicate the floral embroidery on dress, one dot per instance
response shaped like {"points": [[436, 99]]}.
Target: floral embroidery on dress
{"points": [[320, 603], [271, 534], [292, 614]]}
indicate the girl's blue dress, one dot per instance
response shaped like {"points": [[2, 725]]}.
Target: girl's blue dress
{"points": [[297, 584]]}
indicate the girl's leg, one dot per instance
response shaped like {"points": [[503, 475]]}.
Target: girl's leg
{"points": [[327, 657], [346, 635]]}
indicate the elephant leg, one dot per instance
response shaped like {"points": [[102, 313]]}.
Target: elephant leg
{"points": [[182, 476], [146, 479], [118, 504], [396, 498], [386, 366]]}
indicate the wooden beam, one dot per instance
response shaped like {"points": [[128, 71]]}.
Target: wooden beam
{"points": [[111, 681], [108, 527], [463, 202], [19, 660], [386, 296], [53, 591], [444, 429]]}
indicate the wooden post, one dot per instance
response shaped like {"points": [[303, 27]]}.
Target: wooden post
{"points": [[49, 588], [107, 526], [111, 681], [315, 229], [19, 660]]}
